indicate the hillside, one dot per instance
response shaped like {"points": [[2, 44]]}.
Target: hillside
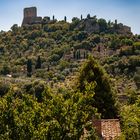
{"points": [[59, 47], [52, 78]]}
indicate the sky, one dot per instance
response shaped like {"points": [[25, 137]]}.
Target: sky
{"points": [[125, 11]]}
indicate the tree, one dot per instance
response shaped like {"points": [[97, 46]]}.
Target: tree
{"points": [[88, 16], [81, 17], [109, 23], [104, 98], [4, 88], [53, 17], [5, 69], [96, 39], [74, 54], [48, 69], [14, 28], [137, 78], [38, 63], [75, 22], [130, 116], [53, 116], [29, 67], [99, 49], [84, 54], [65, 19], [116, 22], [103, 24], [79, 54]]}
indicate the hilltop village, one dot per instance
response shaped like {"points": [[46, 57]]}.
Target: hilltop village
{"points": [[88, 24]]}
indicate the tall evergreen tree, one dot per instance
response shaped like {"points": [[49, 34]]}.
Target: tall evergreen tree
{"points": [[29, 67], [104, 93], [79, 53], [74, 54], [84, 55], [38, 63], [88, 16], [48, 69], [81, 17], [65, 19], [53, 17]]}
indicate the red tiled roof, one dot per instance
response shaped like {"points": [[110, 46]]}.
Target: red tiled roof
{"points": [[108, 129]]}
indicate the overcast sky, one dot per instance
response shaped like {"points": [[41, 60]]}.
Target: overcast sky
{"points": [[125, 11]]}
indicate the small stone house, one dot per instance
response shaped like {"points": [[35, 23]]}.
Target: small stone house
{"points": [[107, 129]]}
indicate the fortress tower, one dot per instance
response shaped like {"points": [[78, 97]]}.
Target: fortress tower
{"points": [[30, 12], [30, 16]]}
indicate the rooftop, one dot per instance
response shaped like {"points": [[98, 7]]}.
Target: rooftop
{"points": [[107, 129]]}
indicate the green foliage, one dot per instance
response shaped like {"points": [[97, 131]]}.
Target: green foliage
{"points": [[104, 93], [80, 36], [38, 63], [63, 64], [30, 110], [5, 69], [4, 87], [14, 28], [115, 43], [131, 121], [54, 57], [137, 44], [57, 116], [103, 25], [128, 42], [132, 96], [29, 67], [75, 22], [96, 39], [137, 78]]}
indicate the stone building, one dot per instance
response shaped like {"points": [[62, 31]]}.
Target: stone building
{"points": [[107, 129], [30, 16], [123, 29]]}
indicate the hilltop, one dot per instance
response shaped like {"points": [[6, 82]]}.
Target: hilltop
{"points": [[60, 47], [56, 75]]}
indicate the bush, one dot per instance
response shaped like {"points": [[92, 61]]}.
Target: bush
{"points": [[5, 69], [4, 87]]}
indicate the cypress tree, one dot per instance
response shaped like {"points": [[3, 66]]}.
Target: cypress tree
{"points": [[104, 99], [48, 68], [81, 17], [65, 19], [79, 54], [53, 17], [38, 63], [74, 54], [29, 67], [84, 55], [99, 49]]}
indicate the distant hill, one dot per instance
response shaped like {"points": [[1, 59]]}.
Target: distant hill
{"points": [[55, 49]]}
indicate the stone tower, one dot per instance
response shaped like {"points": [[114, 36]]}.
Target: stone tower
{"points": [[30, 12], [30, 16]]}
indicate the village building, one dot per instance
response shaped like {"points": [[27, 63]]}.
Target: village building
{"points": [[107, 129]]}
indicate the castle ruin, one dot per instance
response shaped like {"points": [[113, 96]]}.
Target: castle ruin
{"points": [[89, 24], [30, 16]]}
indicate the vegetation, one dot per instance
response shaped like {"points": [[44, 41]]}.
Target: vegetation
{"points": [[50, 88]]}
